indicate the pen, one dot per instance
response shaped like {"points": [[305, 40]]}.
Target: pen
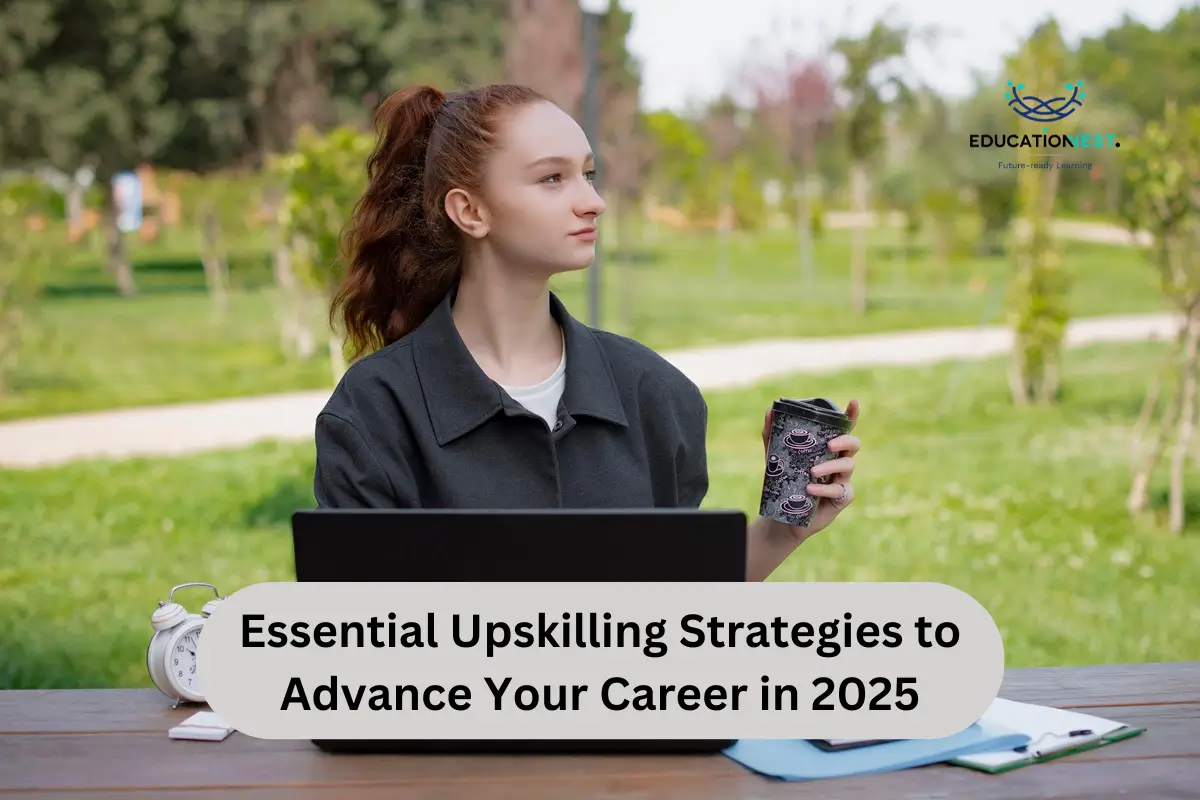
{"points": [[1081, 732]]}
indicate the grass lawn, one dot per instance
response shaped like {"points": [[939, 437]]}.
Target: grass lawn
{"points": [[1022, 509], [165, 345]]}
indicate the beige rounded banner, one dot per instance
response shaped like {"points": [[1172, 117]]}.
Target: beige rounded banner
{"points": [[600, 661]]}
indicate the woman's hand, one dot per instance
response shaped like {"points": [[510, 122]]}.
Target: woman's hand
{"points": [[838, 493]]}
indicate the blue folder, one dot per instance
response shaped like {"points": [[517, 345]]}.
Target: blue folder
{"points": [[800, 760]]}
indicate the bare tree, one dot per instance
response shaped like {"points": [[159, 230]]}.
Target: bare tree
{"points": [[796, 102], [870, 73], [544, 50], [722, 128]]}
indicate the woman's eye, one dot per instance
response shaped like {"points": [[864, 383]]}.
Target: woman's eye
{"points": [[590, 175], [550, 177]]}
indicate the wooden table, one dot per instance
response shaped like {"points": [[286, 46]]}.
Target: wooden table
{"points": [[114, 743]]}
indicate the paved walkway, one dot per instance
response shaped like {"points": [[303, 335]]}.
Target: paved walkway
{"points": [[196, 427], [1078, 230]]}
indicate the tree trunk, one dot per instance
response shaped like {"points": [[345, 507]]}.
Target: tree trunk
{"points": [[1047, 391], [622, 249], [297, 339], [1187, 424], [216, 267], [117, 253], [724, 220], [1018, 384], [858, 251], [1141, 479], [75, 212], [1038, 307], [1154, 390], [804, 232]]}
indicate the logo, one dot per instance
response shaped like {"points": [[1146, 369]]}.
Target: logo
{"points": [[1036, 109], [1053, 109]]}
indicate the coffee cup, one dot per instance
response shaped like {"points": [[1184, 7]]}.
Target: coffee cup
{"points": [[799, 440]]}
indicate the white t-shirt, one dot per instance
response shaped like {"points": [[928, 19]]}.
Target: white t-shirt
{"points": [[542, 398]]}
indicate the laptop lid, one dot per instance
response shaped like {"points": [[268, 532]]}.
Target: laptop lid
{"points": [[581, 545]]}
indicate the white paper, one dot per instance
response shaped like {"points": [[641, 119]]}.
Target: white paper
{"points": [[1048, 729]]}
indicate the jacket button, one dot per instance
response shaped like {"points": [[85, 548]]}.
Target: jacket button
{"points": [[558, 425]]}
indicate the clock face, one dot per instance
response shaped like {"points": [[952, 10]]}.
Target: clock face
{"points": [[181, 661]]}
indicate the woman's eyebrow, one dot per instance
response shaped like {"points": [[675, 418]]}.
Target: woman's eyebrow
{"points": [[546, 160]]}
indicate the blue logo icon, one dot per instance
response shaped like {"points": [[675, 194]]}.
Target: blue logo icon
{"points": [[1039, 110]]}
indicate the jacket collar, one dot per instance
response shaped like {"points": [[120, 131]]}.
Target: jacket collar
{"points": [[461, 397]]}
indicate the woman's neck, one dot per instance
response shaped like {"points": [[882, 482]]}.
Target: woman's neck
{"points": [[507, 326]]}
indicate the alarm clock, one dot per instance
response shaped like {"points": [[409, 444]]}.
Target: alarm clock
{"points": [[171, 654]]}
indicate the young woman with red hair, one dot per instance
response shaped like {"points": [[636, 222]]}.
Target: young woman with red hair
{"points": [[473, 386]]}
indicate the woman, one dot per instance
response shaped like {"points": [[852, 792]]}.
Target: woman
{"points": [[480, 390]]}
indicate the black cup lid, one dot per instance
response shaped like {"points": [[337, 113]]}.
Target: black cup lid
{"points": [[816, 408]]}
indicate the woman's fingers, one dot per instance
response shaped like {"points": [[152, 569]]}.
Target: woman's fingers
{"points": [[840, 493], [838, 466], [845, 444]]}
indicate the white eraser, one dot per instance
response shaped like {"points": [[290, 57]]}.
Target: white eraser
{"points": [[203, 726]]}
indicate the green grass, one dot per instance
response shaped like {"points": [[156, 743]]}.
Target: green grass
{"points": [[166, 346], [1020, 508]]}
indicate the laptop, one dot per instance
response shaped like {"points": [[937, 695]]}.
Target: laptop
{"points": [[538, 545]]}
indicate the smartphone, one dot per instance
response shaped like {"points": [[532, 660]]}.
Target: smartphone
{"points": [[837, 745]]}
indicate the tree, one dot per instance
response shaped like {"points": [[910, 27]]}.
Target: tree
{"points": [[85, 94], [1038, 297], [323, 177], [1119, 61], [623, 146], [870, 85], [994, 190], [25, 255], [259, 72], [796, 104], [722, 130], [1164, 173], [543, 49]]}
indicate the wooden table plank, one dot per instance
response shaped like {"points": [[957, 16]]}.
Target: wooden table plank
{"points": [[128, 760], [1171, 730], [1104, 685], [1059, 780], [147, 710], [90, 711], [115, 742]]}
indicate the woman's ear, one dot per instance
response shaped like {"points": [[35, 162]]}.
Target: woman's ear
{"points": [[467, 213]]}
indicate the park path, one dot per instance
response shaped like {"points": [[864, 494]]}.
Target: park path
{"points": [[1074, 229], [197, 427]]}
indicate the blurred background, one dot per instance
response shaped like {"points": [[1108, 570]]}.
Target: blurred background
{"points": [[794, 178]]}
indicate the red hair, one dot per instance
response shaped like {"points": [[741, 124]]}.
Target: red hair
{"points": [[402, 252]]}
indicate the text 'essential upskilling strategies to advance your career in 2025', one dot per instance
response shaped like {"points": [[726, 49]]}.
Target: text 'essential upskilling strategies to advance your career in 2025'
{"points": [[595, 630], [580, 659]]}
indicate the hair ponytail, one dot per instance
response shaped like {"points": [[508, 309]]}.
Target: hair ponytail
{"points": [[403, 253]]}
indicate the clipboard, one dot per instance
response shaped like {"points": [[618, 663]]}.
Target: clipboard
{"points": [[1053, 733]]}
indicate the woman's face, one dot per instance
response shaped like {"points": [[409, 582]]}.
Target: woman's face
{"points": [[538, 204]]}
